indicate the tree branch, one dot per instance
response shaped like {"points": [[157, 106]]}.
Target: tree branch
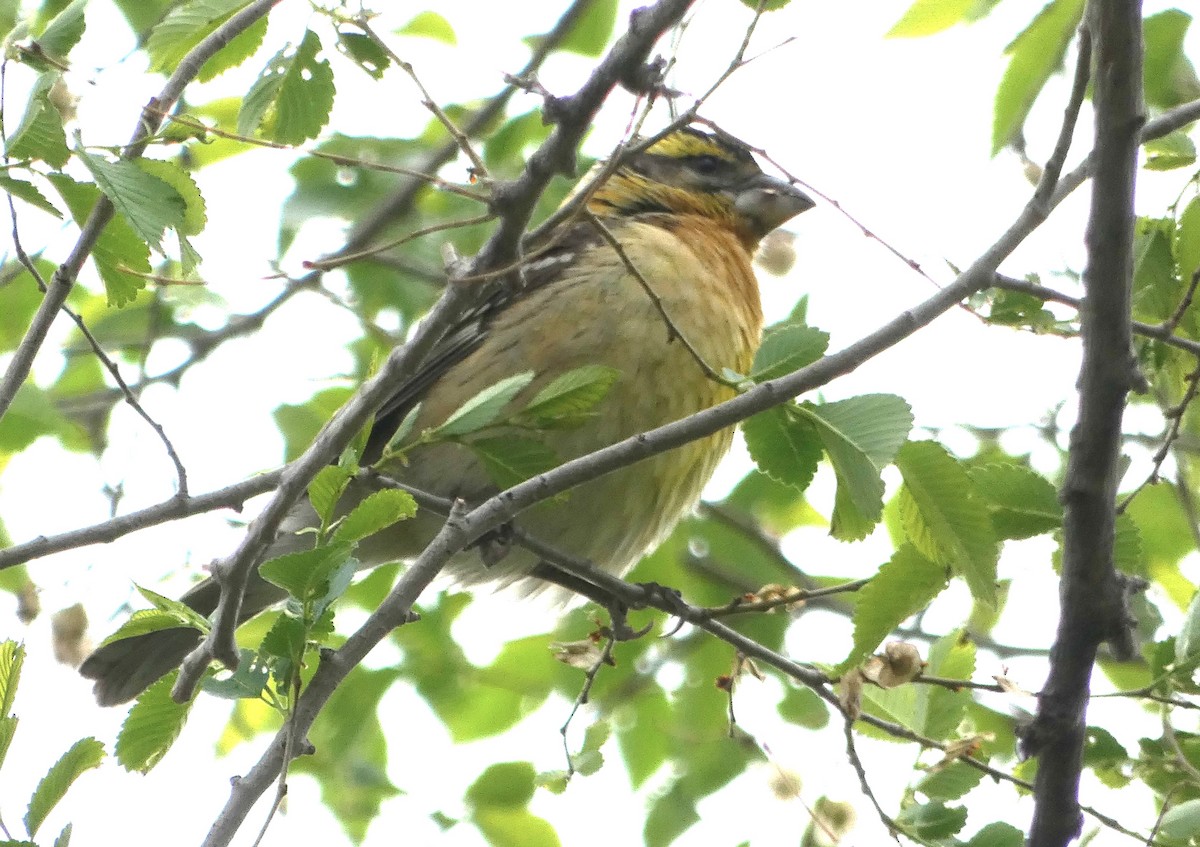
{"points": [[148, 122], [1092, 594]]}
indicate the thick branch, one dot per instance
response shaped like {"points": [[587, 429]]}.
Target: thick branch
{"points": [[1091, 593]]}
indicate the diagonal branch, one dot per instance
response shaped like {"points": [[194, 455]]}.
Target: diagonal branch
{"points": [[148, 122]]}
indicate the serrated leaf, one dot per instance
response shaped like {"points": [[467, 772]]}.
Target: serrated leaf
{"points": [[1022, 502], [785, 446], [64, 837], [85, 754], [1034, 55], [144, 621], [860, 435], [378, 511], [189, 23], [485, 407], [512, 459], [151, 727], [64, 31], [27, 191], [326, 489], [40, 133], [194, 214], [8, 729], [145, 201], [305, 575], [926, 17], [184, 613], [788, 348], [944, 518], [570, 397], [905, 585], [292, 97], [118, 249], [12, 658], [430, 25]]}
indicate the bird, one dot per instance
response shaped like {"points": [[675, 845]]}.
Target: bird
{"points": [[653, 280]]}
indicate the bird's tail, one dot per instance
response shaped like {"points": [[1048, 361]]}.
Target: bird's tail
{"points": [[124, 669]]}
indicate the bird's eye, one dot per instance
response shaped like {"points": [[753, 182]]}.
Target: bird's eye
{"points": [[706, 165]]}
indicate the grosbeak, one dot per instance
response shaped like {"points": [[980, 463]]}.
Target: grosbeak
{"points": [[688, 213]]}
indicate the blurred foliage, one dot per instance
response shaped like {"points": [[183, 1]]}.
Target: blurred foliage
{"points": [[664, 710]]}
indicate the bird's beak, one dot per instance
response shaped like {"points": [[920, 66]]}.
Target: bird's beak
{"points": [[768, 202]]}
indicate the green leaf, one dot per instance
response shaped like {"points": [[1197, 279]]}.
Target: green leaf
{"points": [[301, 423], [951, 782], [485, 407], [997, 834], [861, 436], [590, 35], [378, 511], [944, 518], [305, 575], [194, 213], [569, 399], [926, 17], [185, 614], [788, 348], [904, 586], [1187, 241], [1181, 822], [509, 785], [64, 837], [144, 621], [326, 489], [1168, 74], [118, 249], [8, 729], [802, 707], [12, 657], [151, 727], [40, 133], [430, 25], [292, 97], [1173, 150], [931, 821], [1034, 55], [364, 52], [247, 682], [85, 754], [145, 201], [27, 191], [191, 22], [503, 827], [1021, 502], [1187, 643], [785, 446], [64, 31], [9, 9], [929, 710], [512, 459]]}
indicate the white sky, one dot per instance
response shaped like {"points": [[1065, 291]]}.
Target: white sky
{"points": [[897, 131]]}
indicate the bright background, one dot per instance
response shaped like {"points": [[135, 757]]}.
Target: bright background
{"points": [[897, 131]]}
